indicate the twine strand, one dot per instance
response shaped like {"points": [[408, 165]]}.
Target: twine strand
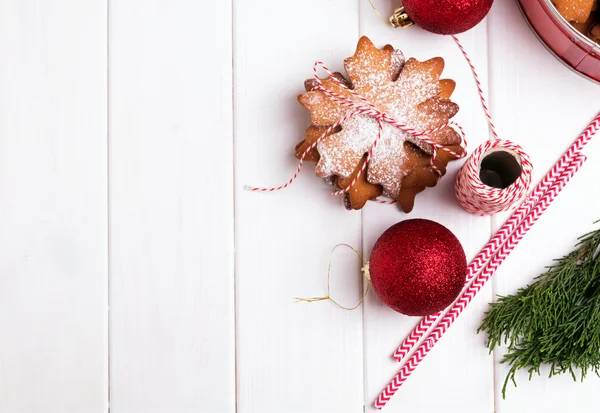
{"points": [[474, 195], [484, 104]]}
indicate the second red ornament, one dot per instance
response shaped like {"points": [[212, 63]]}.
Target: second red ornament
{"points": [[418, 267]]}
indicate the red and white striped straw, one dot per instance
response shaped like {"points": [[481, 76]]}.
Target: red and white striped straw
{"points": [[524, 209], [461, 303]]}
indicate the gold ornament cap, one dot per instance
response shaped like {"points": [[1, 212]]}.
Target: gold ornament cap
{"points": [[401, 19]]}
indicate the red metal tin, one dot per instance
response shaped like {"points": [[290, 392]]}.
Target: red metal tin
{"points": [[573, 48]]}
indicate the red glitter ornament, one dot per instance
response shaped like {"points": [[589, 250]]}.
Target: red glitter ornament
{"points": [[418, 267], [447, 16]]}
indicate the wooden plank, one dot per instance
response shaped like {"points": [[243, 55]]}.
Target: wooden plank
{"points": [[459, 364], [171, 207], [295, 357], [542, 105], [53, 213]]}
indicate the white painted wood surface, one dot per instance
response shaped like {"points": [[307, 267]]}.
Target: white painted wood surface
{"points": [[53, 229], [290, 357], [127, 132], [171, 207]]}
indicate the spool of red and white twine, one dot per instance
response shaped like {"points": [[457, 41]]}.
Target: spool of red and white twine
{"points": [[509, 162], [497, 175]]}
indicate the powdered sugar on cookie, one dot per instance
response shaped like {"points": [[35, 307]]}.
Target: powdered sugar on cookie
{"points": [[408, 91]]}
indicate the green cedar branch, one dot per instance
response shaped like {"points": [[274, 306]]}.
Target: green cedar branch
{"points": [[555, 321]]}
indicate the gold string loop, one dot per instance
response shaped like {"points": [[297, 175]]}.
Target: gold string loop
{"points": [[364, 270], [377, 11]]}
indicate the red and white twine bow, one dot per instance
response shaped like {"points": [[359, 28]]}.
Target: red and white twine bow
{"points": [[361, 106]]}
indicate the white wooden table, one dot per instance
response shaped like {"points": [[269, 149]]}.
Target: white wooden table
{"points": [[136, 273]]}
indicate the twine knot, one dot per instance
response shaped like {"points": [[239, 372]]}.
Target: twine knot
{"points": [[362, 106]]}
